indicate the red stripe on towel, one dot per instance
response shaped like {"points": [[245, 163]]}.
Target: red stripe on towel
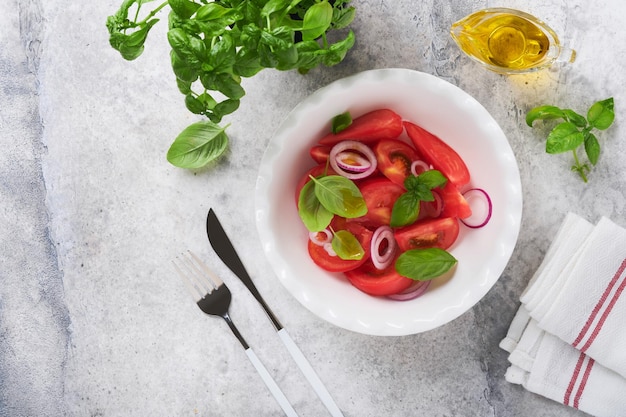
{"points": [[581, 387], [598, 307], [572, 382]]}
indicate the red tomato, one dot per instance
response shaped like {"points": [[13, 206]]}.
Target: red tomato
{"points": [[437, 153], [436, 233], [454, 204], [334, 263], [316, 171], [378, 282], [379, 194], [395, 158], [370, 127], [320, 153]]}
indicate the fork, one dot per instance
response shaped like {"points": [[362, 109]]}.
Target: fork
{"points": [[213, 297]]}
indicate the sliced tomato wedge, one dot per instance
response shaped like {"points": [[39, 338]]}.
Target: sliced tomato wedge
{"points": [[454, 204], [435, 233], [439, 154], [395, 158], [320, 153], [368, 128], [334, 263], [379, 194], [378, 282]]}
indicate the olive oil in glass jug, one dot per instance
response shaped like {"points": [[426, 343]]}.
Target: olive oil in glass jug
{"points": [[509, 41]]}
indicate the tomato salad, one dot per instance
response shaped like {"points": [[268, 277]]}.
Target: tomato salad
{"points": [[383, 210]]}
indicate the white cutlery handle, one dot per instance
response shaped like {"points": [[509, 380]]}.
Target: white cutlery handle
{"points": [[310, 374], [271, 384]]}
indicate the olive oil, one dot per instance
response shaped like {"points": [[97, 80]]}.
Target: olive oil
{"points": [[507, 40]]}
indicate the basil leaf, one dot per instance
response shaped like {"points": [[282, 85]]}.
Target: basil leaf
{"points": [[543, 113], [197, 145], [564, 137], [347, 246], [592, 148], [317, 20], [341, 122], [183, 8], [405, 210], [424, 264], [313, 214], [575, 118], [432, 179], [601, 115], [340, 196]]}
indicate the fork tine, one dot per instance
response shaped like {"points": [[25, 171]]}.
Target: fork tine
{"points": [[205, 272]]}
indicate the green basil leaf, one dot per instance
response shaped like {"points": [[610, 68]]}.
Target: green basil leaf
{"points": [[183, 8], [543, 113], [575, 118], [183, 71], [347, 246], [601, 114], [341, 122], [340, 196], [405, 210], [424, 264], [197, 145], [337, 51], [432, 179], [273, 6], [223, 54], [342, 17], [180, 42], [313, 214], [564, 137], [592, 148], [194, 105], [230, 86], [247, 63], [225, 107], [317, 20]]}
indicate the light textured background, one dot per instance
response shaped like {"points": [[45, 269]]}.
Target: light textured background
{"points": [[94, 323]]}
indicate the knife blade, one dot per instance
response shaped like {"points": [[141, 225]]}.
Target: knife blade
{"points": [[225, 250]]}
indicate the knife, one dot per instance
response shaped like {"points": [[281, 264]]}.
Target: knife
{"points": [[226, 252]]}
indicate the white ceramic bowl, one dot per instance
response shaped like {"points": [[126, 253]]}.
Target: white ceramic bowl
{"points": [[444, 110]]}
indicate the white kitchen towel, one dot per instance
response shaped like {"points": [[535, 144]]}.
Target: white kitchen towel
{"points": [[544, 364], [579, 296]]}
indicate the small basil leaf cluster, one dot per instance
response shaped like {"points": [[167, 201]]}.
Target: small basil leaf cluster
{"points": [[216, 44], [324, 197], [406, 209], [575, 131]]}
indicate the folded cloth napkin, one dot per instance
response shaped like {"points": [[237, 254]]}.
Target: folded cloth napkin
{"points": [[567, 341], [544, 364], [579, 296]]}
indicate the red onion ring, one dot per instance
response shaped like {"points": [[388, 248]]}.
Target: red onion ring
{"points": [[480, 202], [315, 237], [363, 164], [416, 289], [329, 249], [355, 147], [421, 165], [383, 260]]}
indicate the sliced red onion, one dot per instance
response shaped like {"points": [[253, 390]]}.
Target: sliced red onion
{"points": [[480, 202], [416, 289], [419, 166], [362, 164], [322, 237], [383, 260], [329, 249], [352, 172]]}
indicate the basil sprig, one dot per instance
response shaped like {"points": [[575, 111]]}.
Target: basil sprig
{"points": [[216, 44], [575, 130], [406, 209]]}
